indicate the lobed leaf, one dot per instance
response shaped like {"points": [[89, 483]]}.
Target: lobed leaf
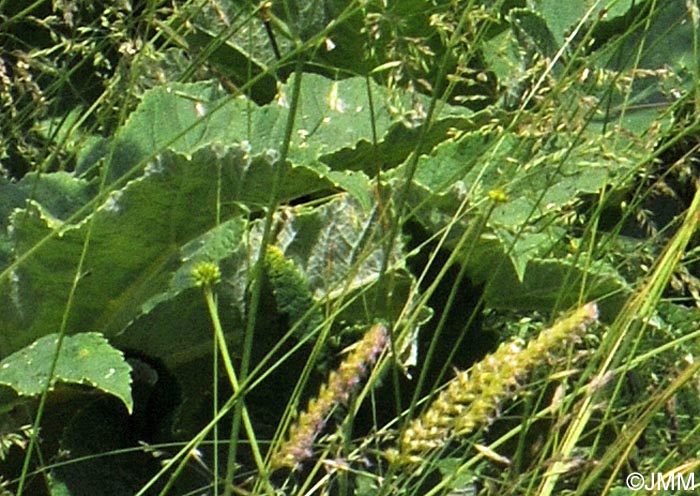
{"points": [[85, 358], [522, 231], [136, 235]]}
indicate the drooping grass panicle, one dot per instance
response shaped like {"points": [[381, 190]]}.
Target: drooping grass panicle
{"points": [[337, 389], [472, 398]]}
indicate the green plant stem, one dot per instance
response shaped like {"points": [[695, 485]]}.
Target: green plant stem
{"points": [[384, 283], [20, 15], [52, 370], [412, 166], [257, 270], [695, 16], [640, 50], [192, 444], [471, 234], [618, 451], [215, 389], [613, 348], [220, 341], [59, 343]]}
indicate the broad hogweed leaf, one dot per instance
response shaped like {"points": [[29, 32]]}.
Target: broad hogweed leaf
{"points": [[85, 358]]}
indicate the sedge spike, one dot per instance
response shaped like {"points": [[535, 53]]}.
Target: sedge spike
{"points": [[472, 398], [337, 390]]}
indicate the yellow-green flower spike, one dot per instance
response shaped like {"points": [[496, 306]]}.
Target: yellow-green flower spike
{"points": [[206, 274], [472, 398]]}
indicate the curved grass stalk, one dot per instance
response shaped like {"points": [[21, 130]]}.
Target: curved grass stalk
{"points": [[52, 369], [629, 323], [257, 270], [182, 455], [618, 452], [208, 279]]}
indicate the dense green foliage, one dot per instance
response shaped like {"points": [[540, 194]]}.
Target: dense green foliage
{"points": [[205, 205]]}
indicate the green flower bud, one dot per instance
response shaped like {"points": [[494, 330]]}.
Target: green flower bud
{"points": [[206, 274]]}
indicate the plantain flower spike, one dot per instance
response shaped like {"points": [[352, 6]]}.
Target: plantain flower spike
{"points": [[471, 399], [337, 390]]}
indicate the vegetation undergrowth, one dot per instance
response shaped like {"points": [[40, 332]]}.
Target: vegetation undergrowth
{"points": [[349, 247]]}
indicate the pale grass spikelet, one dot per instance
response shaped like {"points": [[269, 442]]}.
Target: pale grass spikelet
{"points": [[472, 398], [337, 390]]}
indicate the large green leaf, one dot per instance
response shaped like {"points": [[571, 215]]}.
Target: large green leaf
{"points": [[136, 235], [636, 77], [561, 15], [334, 245], [545, 283], [321, 257], [85, 358], [628, 81], [320, 254], [332, 116], [59, 193], [234, 61], [527, 223], [533, 33]]}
